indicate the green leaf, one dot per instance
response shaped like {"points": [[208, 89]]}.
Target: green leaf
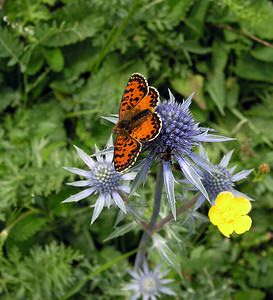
{"points": [[27, 227], [35, 61], [250, 68], [216, 90], [54, 58], [186, 86], [194, 46], [178, 10], [254, 16], [27, 11], [220, 53], [10, 47], [250, 294], [263, 53], [74, 289], [46, 273], [66, 34], [121, 230], [261, 123], [196, 19], [9, 97], [69, 28], [233, 90]]}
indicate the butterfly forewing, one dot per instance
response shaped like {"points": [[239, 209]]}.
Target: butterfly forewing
{"points": [[136, 89]]}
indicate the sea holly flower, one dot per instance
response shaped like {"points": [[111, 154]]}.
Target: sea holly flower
{"points": [[229, 214], [224, 180], [180, 133], [101, 178], [148, 284]]}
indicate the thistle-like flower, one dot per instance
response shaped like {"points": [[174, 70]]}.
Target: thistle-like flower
{"points": [[148, 284], [102, 179], [224, 180], [180, 133]]}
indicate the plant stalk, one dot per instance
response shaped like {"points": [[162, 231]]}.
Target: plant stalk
{"points": [[156, 209]]}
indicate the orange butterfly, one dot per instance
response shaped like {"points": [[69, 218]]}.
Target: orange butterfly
{"points": [[138, 122]]}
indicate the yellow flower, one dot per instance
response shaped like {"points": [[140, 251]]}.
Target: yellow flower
{"points": [[230, 214]]}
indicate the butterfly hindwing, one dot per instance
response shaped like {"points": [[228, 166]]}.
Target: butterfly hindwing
{"points": [[136, 89], [126, 151], [147, 130]]}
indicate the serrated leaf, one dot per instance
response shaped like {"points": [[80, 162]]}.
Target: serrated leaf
{"points": [[27, 227], [10, 46], [26, 11], [9, 97], [68, 33]]}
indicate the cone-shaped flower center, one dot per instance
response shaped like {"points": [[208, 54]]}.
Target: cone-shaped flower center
{"points": [[179, 130], [217, 182], [106, 179], [149, 285]]}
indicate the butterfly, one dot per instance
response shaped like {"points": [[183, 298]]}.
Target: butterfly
{"points": [[138, 122]]}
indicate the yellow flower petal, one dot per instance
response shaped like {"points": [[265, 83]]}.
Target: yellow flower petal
{"points": [[215, 215], [242, 205], [226, 229], [242, 224], [229, 214], [224, 199]]}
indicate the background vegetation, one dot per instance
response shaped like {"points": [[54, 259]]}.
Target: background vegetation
{"points": [[63, 64]]}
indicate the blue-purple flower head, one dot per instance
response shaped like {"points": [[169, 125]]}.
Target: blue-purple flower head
{"points": [[179, 135], [146, 284], [101, 178], [224, 180]]}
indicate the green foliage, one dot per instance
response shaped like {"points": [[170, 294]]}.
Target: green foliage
{"points": [[10, 47], [43, 274], [32, 167], [63, 64]]}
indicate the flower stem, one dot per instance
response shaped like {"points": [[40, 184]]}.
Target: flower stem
{"points": [[156, 209], [180, 210]]}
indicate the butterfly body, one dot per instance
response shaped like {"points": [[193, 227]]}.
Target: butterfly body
{"points": [[138, 122], [167, 154], [131, 120]]}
